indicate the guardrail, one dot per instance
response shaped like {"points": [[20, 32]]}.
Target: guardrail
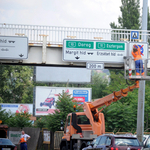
{"points": [[56, 34]]}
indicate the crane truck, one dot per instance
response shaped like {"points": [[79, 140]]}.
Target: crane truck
{"points": [[83, 127]]}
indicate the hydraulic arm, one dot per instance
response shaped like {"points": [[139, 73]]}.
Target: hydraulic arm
{"points": [[96, 117]]}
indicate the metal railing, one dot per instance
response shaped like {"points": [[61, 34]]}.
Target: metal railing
{"points": [[56, 34], [130, 70]]}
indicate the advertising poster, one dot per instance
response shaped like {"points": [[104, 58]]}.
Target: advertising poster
{"points": [[17, 108], [14, 136], [46, 136], [45, 97]]}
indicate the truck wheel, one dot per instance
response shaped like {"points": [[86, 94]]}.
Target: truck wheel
{"points": [[75, 146], [63, 148]]}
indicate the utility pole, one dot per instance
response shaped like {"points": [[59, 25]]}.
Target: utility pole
{"points": [[141, 91]]}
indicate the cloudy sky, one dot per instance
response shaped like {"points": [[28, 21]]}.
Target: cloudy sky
{"points": [[69, 13]]}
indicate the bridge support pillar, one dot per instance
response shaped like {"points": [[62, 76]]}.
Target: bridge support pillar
{"points": [[44, 48]]}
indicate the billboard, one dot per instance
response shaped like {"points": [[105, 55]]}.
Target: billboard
{"points": [[17, 108], [45, 97], [62, 75]]}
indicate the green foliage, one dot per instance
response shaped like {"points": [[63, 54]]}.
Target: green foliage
{"points": [[16, 84], [20, 120], [40, 123], [99, 83], [123, 113], [4, 116], [147, 106], [128, 21], [117, 82], [64, 106], [120, 116]]}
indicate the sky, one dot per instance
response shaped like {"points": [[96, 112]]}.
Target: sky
{"points": [[67, 13]]}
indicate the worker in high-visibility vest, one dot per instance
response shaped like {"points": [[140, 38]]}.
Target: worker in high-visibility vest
{"points": [[23, 141], [136, 53]]}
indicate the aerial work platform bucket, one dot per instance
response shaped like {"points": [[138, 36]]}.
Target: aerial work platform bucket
{"points": [[130, 70]]}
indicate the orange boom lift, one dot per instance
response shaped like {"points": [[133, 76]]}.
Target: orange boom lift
{"points": [[82, 127]]}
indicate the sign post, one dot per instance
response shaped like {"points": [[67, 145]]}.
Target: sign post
{"points": [[141, 91]]}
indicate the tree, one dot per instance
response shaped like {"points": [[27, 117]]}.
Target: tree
{"points": [[4, 116], [16, 84], [100, 80], [98, 84], [123, 113], [64, 106], [40, 122], [118, 82], [147, 106], [20, 120], [120, 116], [130, 18]]}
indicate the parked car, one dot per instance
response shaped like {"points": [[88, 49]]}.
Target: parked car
{"points": [[115, 142], [146, 142], [6, 144]]}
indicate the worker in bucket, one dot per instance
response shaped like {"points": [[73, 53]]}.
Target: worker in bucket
{"points": [[136, 53]]}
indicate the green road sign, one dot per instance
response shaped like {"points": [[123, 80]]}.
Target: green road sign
{"points": [[110, 46], [80, 44], [94, 51]]}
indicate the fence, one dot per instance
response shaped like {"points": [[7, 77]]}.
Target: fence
{"points": [[32, 142], [57, 139], [56, 34], [36, 141]]}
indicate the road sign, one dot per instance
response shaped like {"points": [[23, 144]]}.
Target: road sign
{"points": [[13, 47], [134, 35], [94, 50], [95, 65], [143, 47], [80, 44]]}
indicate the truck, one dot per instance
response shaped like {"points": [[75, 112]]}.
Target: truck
{"points": [[83, 127]]}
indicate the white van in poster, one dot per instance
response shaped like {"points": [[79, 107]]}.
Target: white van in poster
{"points": [[45, 97]]}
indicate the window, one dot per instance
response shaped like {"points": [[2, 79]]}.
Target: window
{"points": [[126, 142], [82, 119], [69, 120], [96, 141], [5, 142], [108, 141], [103, 140], [147, 145]]}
